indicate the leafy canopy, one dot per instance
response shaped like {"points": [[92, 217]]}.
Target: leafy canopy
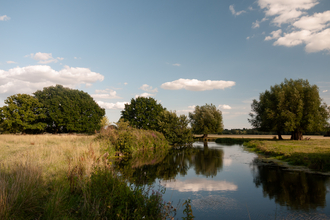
{"points": [[70, 110], [293, 106], [22, 113], [142, 113], [206, 119], [174, 128]]}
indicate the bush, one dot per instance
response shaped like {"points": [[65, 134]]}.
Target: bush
{"points": [[129, 140]]}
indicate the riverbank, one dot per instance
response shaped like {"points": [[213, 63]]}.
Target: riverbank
{"points": [[67, 177], [313, 153]]}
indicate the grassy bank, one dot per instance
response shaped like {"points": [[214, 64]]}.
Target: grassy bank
{"points": [[314, 153], [67, 177]]}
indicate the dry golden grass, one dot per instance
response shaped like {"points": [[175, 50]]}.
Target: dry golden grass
{"points": [[51, 153]]}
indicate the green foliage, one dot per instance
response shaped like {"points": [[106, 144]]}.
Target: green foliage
{"points": [[142, 113], [22, 113], [70, 110], [175, 128], [293, 106], [129, 140], [206, 119], [188, 210], [104, 121]]}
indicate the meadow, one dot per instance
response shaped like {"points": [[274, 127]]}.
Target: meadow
{"points": [[68, 177]]}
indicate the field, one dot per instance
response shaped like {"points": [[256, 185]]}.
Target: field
{"points": [[66, 177]]}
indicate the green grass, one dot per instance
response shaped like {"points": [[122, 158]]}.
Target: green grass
{"points": [[314, 153]]}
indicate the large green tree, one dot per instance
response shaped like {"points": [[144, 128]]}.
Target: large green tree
{"points": [[174, 128], [293, 106], [206, 119], [70, 110], [22, 113], [143, 113]]}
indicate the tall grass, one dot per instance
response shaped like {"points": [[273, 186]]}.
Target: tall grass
{"points": [[67, 177]]}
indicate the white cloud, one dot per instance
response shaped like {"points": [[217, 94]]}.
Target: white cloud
{"points": [[224, 107], [247, 38], [4, 18], [107, 105], [197, 85], [145, 94], [176, 64], [191, 108], [44, 58], [147, 88], [324, 90], [256, 24], [9, 62], [311, 30], [232, 9], [32, 78], [105, 94], [275, 35], [195, 185], [125, 83]]}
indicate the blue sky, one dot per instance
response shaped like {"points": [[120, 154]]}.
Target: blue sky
{"points": [[182, 53]]}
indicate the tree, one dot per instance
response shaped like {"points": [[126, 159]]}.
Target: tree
{"points": [[293, 106], [70, 110], [174, 128], [22, 113], [206, 119], [143, 113]]}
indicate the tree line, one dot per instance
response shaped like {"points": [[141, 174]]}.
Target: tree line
{"points": [[292, 107]]}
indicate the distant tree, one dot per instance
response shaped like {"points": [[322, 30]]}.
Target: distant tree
{"points": [[22, 113], [293, 106], [206, 119], [104, 121], [70, 110], [174, 128], [142, 113]]}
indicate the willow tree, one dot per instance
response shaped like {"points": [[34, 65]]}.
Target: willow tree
{"points": [[206, 119], [293, 106]]}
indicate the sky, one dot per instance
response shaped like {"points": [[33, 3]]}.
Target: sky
{"points": [[182, 53]]}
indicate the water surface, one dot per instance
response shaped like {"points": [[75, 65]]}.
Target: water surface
{"points": [[226, 182]]}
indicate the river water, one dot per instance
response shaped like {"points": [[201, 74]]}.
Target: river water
{"points": [[225, 182]]}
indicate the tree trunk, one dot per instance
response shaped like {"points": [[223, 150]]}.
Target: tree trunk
{"points": [[204, 137], [279, 135], [296, 135]]}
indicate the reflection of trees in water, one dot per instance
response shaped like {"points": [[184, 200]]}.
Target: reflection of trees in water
{"points": [[208, 161], [297, 190], [166, 165]]}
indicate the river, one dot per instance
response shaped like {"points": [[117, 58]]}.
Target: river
{"points": [[225, 182]]}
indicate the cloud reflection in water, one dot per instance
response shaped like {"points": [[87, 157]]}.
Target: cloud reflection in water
{"points": [[195, 185]]}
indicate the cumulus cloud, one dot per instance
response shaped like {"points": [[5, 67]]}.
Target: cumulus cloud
{"points": [[195, 185], [105, 94], [275, 35], [10, 62], [236, 13], [256, 24], [197, 85], [147, 88], [191, 108], [31, 78], [325, 91], [145, 94], [44, 58], [311, 30], [224, 107], [4, 18], [109, 106]]}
